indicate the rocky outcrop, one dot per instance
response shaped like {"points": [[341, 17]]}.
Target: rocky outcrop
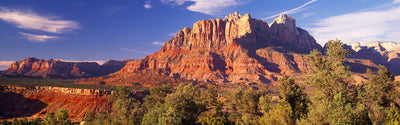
{"points": [[383, 53], [236, 49], [34, 67], [284, 29], [34, 102]]}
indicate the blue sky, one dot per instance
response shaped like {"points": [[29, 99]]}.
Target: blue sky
{"points": [[87, 30]]}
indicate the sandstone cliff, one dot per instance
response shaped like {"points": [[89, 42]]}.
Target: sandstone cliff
{"points": [[236, 49], [34, 67], [34, 102]]}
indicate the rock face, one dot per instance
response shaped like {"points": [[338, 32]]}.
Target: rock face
{"points": [[34, 67], [285, 30], [384, 53], [236, 49], [34, 102]]}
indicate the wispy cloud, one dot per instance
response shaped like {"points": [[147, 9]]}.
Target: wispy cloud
{"points": [[157, 43], [135, 51], [295, 10], [396, 1], [27, 19], [366, 26], [147, 4], [305, 15], [172, 34], [37, 38], [5, 64], [210, 7]]}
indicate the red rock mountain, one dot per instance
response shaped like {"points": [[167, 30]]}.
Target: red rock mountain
{"points": [[236, 49], [34, 67], [384, 53]]}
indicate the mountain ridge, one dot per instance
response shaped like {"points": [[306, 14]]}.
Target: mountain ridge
{"points": [[33, 67]]}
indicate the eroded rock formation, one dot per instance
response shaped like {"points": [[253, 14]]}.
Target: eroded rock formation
{"points": [[34, 102], [236, 49]]}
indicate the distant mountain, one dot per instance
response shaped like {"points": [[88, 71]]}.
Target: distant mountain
{"points": [[383, 53], [33, 67]]}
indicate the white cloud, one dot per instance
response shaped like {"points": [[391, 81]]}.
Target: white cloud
{"points": [[136, 51], [157, 43], [210, 7], [5, 64], [396, 1], [367, 26], [37, 38], [147, 5], [27, 19], [295, 10], [172, 34]]}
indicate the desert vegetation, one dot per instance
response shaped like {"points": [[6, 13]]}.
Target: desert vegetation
{"points": [[334, 100]]}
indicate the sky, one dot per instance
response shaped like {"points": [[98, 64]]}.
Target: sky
{"points": [[101, 30]]}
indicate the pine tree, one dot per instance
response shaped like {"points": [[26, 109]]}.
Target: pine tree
{"points": [[330, 80], [295, 96]]}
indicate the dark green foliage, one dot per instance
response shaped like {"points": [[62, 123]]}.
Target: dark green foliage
{"points": [[181, 107], [59, 118], [295, 96], [243, 100], [127, 110], [157, 95], [209, 96], [381, 86], [331, 81], [328, 75]]}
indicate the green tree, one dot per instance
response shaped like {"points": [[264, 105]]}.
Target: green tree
{"points": [[279, 114], [180, 107], [328, 76], [330, 80], [381, 86], [209, 96], [62, 117], [127, 110], [339, 111], [378, 93], [59, 118], [295, 96], [157, 96], [49, 119]]}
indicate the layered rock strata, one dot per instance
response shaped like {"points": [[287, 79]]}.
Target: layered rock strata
{"points": [[236, 49]]}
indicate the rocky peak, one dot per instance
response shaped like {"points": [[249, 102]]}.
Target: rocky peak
{"points": [[233, 16], [30, 59], [286, 21], [381, 47]]}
